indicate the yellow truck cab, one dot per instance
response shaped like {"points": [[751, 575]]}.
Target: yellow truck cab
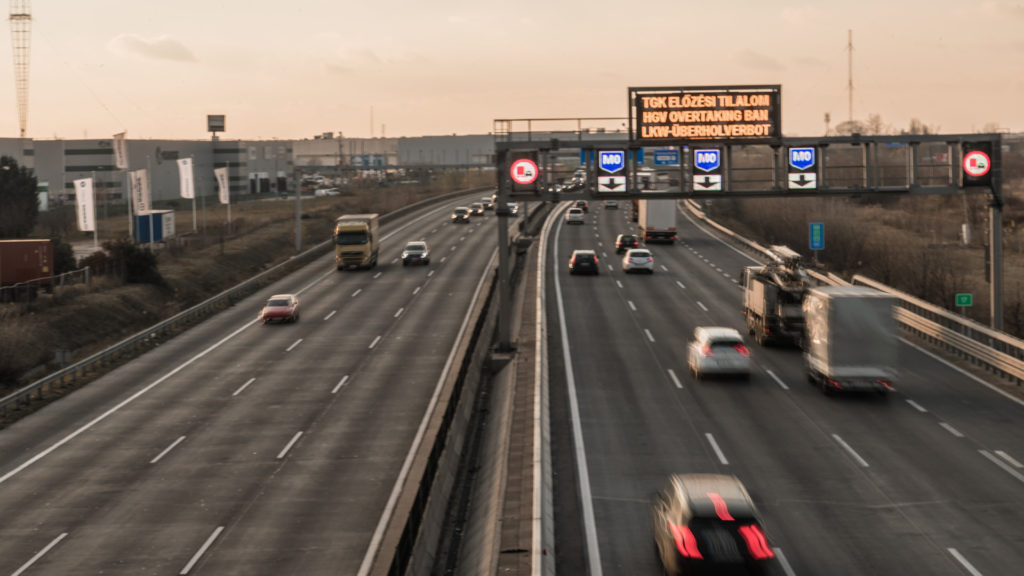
{"points": [[356, 241]]}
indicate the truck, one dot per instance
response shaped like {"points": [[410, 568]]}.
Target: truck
{"points": [[773, 296], [852, 342], [657, 220], [356, 241]]}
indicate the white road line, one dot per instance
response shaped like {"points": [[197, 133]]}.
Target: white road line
{"points": [[453, 248], [963, 562], [443, 258], [631, 305], [949, 428], [783, 562], [344, 379], [166, 450], [377, 275], [672, 375], [394, 260], [431, 273], [649, 335], [202, 550], [39, 555], [243, 386], [663, 267], [292, 347], [618, 283], [777, 380], [853, 453], [718, 451], [289, 445], [916, 406], [399, 313], [356, 293], [328, 317], [1009, 459], [1002, 465], [374, 343], [416, 291], [461, 239], [610, 269], [680, 284], [702, 306]]}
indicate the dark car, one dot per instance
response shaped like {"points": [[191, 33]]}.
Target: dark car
{"points": [[624, 242], [582, 205], [583, 262], [281, 308], [460, 215], [415, 253], [707, 523]]}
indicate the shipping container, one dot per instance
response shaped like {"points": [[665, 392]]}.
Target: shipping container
{"points": [[24, 260]]}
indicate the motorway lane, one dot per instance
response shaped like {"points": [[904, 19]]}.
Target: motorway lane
{"points": [[919, 506], [248, 436]]}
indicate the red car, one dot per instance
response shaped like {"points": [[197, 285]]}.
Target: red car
{"points": [[281, 308]]}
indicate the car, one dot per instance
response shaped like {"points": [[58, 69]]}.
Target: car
{"points": [[513, 208], [327, 192], [708, 523], [638, 260], [624, 242], [584, 262], [415, 252], [718, 350], [476, 209], [460, 215], [582, 205], [574, 216], [611, 204], [487, 203], [280, 308]]}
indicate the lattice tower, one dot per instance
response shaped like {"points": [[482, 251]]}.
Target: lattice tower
{"points": [[21, 28]]}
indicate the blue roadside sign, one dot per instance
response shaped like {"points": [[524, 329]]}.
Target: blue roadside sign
{"points": [[817, 235], [801, 158], [668, 157], [707, 159], [611, 161]]}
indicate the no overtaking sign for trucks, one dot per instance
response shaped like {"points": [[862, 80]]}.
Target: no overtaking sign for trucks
{"points": [[524, 171]]}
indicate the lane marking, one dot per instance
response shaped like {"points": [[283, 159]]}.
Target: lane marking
{"points": [[202, 550], [356, 293], [949, 428], [166, 450], [328, 317], [374, 343], [718, 451], [777, 380], [702, 306], [663, 267], [963, 562], [1009, 459], [631, 305], [852, 452], [431, 273], [995, 460], [399, 313], [916, 406], [680, 284], [39, 555], [344, 379], [289, 445], [649, 335], [618, 283], [243, 386], [672, 375], [377, 275], [292, 347], [416, 291]]}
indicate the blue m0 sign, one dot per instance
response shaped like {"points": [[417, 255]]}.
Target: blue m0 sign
{"points": [[611, 161]]}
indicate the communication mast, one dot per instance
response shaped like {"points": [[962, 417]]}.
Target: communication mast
{"points": [[849, 47], [21, 27]]}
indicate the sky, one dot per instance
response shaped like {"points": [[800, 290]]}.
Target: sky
{"points": [[296, 69]]}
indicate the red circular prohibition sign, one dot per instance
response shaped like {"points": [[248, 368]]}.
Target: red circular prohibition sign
{"points": [[524, 171], [977, 163]]}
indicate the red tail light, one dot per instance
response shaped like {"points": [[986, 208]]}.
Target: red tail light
{"points": [[742, 350], [685, 542], [706, 350], [756, 542]]}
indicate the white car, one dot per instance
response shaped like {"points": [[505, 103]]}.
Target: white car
{"points": [[574, 216], [718, 350], [638, 260]]}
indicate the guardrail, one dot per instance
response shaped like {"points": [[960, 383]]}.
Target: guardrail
{"points": [[996, 352], [146, 339]]}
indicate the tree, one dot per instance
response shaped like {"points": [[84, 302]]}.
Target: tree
{"points": [[19, 203]]}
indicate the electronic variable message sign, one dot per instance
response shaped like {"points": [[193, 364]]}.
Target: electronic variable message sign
{"points": [[740, 114]]}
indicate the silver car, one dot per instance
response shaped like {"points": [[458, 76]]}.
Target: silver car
{"points": [[638, 260], [717, 350]]}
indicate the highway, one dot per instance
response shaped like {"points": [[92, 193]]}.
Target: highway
{"points": [[926, 481], [240, 448]]}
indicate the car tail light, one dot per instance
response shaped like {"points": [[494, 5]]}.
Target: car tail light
{"points": [[721, 508], [888, 385], [756, 542], [685, 542], [649, 259], [834, 383], [706, 351], [742, 350]]}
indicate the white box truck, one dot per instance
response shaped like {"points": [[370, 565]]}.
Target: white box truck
{"points": [[657, 220], [851, 341]]}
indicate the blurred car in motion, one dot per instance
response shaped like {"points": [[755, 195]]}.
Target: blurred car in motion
{"points": [[582, 205], [624, 242], [574, 216], [281, 308], [513, 208], [487, 203], [476, 209], [611, 204], [638, 260], [460, 215], [707, 523], [584, 262], [718, 350], [327, 192], [415, 253]]}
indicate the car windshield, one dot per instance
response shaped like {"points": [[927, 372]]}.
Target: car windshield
{"points": [[414, 248], [278, 302]]}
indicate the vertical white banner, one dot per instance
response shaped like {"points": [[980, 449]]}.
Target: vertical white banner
{"points": [[223, 188], [86, 207], [140, 191], [185, 174], [120, 152]]}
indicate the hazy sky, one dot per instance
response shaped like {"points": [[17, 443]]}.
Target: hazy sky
{"points": [[294, 69]]}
